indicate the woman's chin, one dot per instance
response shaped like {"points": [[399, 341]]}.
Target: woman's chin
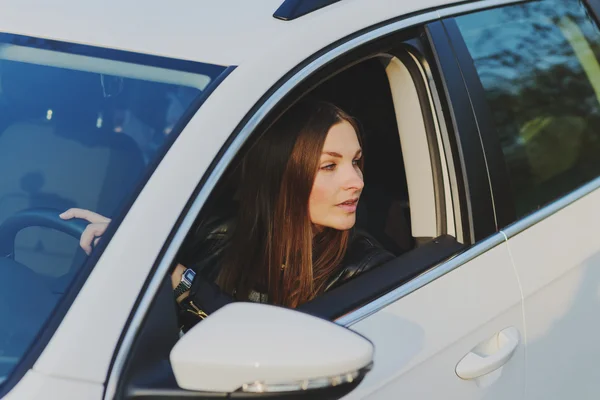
{"points": [[346, 224]]}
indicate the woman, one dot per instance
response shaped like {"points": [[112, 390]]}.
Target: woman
{"points": [[291, 237]]}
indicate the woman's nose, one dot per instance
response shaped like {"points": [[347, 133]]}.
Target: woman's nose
{"points": [[354, 179]]}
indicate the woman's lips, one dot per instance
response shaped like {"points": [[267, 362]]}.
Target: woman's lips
{"points": [[349, 206]]}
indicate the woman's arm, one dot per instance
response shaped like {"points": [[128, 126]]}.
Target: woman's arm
{"points": [[96, 228], [176, 277]]}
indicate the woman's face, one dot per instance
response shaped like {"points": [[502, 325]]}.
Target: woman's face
{"points": [[339, 180]]}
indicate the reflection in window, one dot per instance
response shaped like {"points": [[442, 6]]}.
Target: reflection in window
{"points": [[75, 131], [539, 67]]}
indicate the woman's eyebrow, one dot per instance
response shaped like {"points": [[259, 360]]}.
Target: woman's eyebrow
{"points": [[338, 155]]}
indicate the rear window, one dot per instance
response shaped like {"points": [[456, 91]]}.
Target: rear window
{"points": [[79, 127], [539, 65]]}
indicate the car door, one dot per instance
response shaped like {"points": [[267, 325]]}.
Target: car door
{"points": [[539, 74], [466, 309]]}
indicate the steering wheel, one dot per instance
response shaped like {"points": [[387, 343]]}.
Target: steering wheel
{"points": [[26, 300], [44, 217]]}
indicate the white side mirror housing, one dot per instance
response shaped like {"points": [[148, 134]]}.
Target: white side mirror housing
{"points": [[255, 348]]}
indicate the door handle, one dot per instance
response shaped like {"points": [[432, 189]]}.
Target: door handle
{"points": [[476, 364]]}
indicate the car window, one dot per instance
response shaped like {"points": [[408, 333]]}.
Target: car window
{"points": [[76, 130], [538, 63]]}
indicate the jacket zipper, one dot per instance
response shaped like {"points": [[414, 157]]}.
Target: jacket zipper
{"points": [[196, 310]]}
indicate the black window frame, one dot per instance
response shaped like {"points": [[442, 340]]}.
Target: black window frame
{"points": [[468, 153], [593, 7], [500, 186]]}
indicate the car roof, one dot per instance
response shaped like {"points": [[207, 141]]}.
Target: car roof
{"points": [[224, 32]]}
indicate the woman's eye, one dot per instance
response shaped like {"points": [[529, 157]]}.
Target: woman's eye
{"points": [[356, 161], [328, 167]]}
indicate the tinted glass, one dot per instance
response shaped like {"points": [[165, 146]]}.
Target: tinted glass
{"points": [[538, 63], [75, 131]]}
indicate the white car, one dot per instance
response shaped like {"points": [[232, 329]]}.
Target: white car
{"points": [[481, 128]]}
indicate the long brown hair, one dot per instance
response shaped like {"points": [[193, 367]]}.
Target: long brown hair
{"points": [[274, 248]]}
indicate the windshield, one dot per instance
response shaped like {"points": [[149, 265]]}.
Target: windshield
{"points": [[79, 127]]}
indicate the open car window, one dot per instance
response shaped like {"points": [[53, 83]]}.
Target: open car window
{"points": [[79, 127], [369, 91]]}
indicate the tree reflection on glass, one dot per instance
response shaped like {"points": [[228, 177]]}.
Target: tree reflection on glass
{"points": [[538, 64]]}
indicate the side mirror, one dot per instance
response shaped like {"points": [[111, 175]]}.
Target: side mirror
{"points": [[249, 349]]}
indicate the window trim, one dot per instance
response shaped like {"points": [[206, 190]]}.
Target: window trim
{"points": [[359, 297], [441, 149], [500, 187], [465, 151], [433, 273], [125, 56], [405, 65], [550, 209]]}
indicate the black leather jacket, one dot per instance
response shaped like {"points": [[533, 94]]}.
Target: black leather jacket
{"points": [[206, 245], [363, 254]]}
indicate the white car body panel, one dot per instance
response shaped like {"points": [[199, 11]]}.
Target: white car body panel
{"points": [[558, 260], [224, 32], [420, 338], [35, 385]]}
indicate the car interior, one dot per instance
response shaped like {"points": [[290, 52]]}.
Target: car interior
{"points": [[66, 137], [72, 108], [374, 91], [384, 207], [60, 139]]}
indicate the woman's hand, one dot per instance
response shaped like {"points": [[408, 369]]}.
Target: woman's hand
{"points": [[93, 232], [97, 227]]}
